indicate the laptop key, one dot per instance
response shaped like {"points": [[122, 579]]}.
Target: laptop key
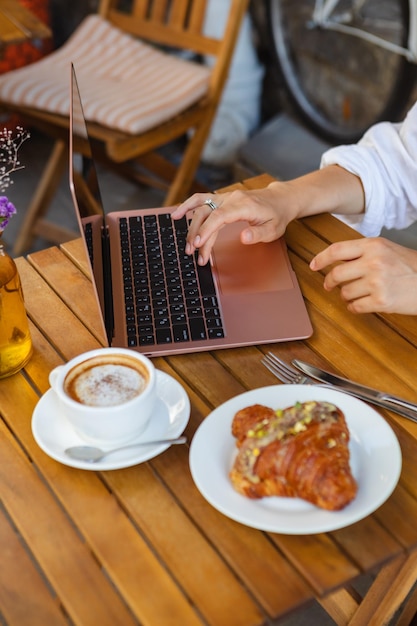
{"points": [[147, 340], [145, 330], [161, 312], [216, 333], [177, 308], [196, 311], [163, 335], [197, 328], [162, 322], [180, 332], [206, 280], [178, 318], [145, 318], [213, 322], [160, 302]]}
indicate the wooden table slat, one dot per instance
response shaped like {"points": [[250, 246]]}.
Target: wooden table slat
{"points": [[48, 312], [63, 276], [37, 606]]}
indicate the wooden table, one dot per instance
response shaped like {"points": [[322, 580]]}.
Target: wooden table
{"points": [[141, 545]]}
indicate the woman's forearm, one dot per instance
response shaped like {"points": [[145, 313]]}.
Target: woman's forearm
{"points": [[329, 190]]}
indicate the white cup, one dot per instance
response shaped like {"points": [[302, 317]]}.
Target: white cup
{"points": [[107, 395]]}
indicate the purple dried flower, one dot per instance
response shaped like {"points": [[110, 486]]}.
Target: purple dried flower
{"points": [[7, 209], [9, 163]]}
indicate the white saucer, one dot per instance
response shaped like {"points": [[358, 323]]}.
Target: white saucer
{"points": [[54, 434]]}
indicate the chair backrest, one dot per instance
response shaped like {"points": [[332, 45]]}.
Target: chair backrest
{"points": [[172, 24], [179, 24]]}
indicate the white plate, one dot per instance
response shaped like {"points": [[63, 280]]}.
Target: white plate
{"points": [[375, 462], [53, 433]]}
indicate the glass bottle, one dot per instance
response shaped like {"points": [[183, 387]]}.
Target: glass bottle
{"points": [[15, 339]]}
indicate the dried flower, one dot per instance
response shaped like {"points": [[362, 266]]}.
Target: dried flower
{"points": [[7, 209], [9, 163]]}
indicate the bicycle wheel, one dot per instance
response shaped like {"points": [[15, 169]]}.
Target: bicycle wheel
{"points": [[338, 83]]}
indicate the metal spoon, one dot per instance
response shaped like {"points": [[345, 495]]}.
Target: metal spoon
{"points": [[92, 454]]}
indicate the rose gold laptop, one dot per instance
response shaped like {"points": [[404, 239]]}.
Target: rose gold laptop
{"points": [[154, 298]]}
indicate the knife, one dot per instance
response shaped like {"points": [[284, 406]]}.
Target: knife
{"points": [[379, 398]]}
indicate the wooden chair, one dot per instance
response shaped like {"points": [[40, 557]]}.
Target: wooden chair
{"points": [[129, 126]]}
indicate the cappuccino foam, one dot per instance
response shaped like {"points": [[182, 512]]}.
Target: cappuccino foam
{"points": [[105, 384]]}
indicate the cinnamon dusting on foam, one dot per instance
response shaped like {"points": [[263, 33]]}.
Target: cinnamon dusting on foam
{"points": [[104, 382]]}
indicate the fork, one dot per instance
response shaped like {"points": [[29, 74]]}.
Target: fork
{"points": [[287, 373], [290, 375]]}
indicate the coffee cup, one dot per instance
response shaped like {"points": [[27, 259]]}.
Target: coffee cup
{"points": [[107, 395]]}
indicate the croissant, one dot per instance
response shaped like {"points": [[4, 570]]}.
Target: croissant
{"points": [[301, 451]]}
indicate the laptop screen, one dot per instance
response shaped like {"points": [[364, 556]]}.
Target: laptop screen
{"points": [[88, 202]]}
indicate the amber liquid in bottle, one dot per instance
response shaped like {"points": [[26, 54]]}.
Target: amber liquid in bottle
{"points": [[15, 339]]}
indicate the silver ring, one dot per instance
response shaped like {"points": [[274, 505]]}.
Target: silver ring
{"points": [[211, 204]]}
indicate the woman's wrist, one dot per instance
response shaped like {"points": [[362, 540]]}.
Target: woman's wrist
{"points": [[288, 199]]}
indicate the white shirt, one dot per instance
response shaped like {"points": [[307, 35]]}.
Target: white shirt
{"points": [[385, 159]]}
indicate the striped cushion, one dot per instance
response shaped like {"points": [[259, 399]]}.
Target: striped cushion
{"points": [[124, 83]]}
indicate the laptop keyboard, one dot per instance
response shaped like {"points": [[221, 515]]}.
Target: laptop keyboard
{"points": [[88, 234], [168, 297]]}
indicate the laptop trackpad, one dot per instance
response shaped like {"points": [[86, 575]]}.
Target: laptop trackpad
{"points": [[250, 268]]}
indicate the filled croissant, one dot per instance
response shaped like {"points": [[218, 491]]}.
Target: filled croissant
{"points": [[301, 451]]}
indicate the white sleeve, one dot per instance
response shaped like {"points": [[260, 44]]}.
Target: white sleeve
{"points": [[385, 159]]}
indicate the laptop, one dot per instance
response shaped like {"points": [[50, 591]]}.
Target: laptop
{"points": [[154, 298]]}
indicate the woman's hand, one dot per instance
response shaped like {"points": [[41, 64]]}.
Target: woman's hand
{"points": [[267, 213], [375, 275], [269, 210]]}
